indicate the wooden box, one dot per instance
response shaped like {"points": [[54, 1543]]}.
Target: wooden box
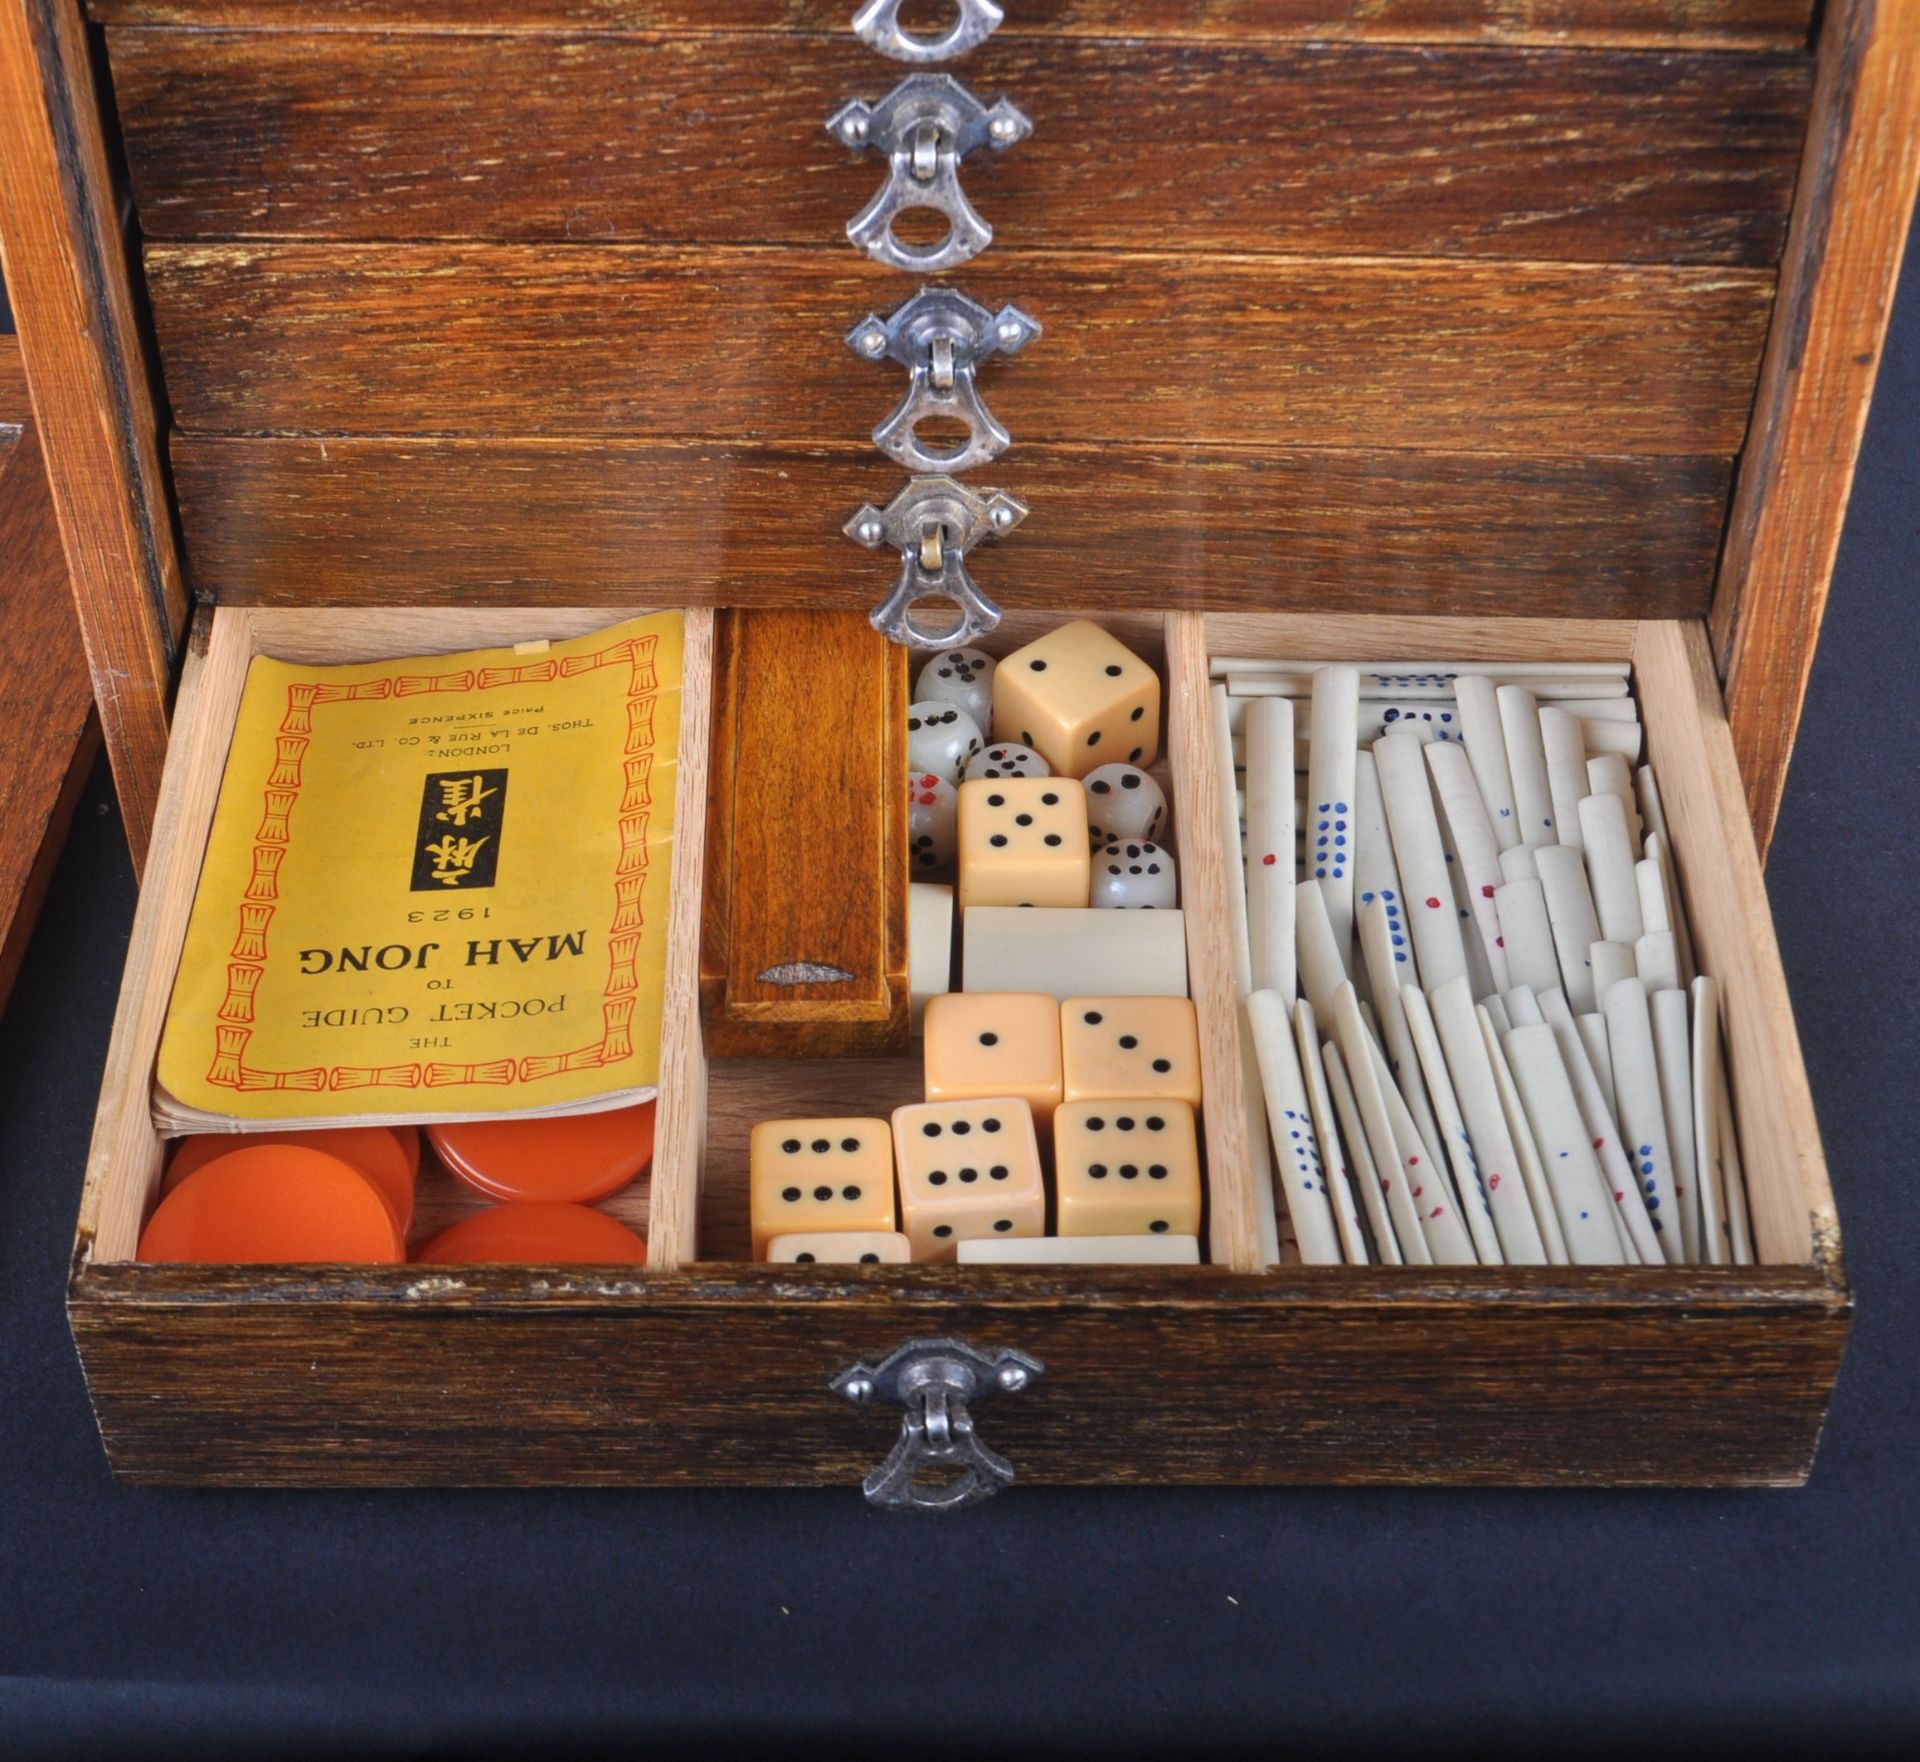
{"points": [[1542, 331]]}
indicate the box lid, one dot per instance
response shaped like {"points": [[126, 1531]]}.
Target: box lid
{"points": [[1395, 313]]}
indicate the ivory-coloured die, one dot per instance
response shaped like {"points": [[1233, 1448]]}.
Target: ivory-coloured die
{"points": [[1023, 841], [1080, 698], [819, 1175], [982, 1043], [1126, 1167], [841, 1248], [968, 1169], [1130, 1047]]}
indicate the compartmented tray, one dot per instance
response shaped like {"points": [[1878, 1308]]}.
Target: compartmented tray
{"points": [[708, 1369]]}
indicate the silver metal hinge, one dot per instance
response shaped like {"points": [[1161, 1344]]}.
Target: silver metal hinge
{"points": [[936, 1381], [877, 24], [933, 522], [926, 125], [941, 337]]}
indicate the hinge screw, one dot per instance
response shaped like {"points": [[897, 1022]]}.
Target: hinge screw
{"points": [[858, 1389], [1014, 1378]]}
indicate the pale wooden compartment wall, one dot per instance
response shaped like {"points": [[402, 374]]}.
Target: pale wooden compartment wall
{"points": [[693, 1207]]}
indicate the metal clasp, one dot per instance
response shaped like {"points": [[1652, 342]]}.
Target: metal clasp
{"points": [[941, 337], [926, 125], [877, 24], [935, 1380], [933, 523]]}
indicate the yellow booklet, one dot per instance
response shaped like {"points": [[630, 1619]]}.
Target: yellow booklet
{"points": [[436, 889]]}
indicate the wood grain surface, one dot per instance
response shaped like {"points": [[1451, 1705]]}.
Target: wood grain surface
{"points": [[100, 434], [671, 1225], [1689, 745], [46, 692], [1591, 155], [1619, 1376], [565, 522], [1708, 23], [1850, 222], [807, 837], [748, 344]]}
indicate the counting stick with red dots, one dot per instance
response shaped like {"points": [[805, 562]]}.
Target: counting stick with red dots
{"points": [[1376, 953], [1419, 1191], [1528, 933], [1636, 1078], [1596, 1113], [1673, 1059], [1270, 848], [1366, 1172], [1497, 1158], [1580, 1196], [1421, 856], [1356, 1060], [1301, 1166], [1520, 1131], [1467, 1179], [1341, 1181], [1476, 847]]}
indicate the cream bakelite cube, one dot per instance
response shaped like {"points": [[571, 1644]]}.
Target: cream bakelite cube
{"points": [[1080, 698], [982, 1043], [968, 1169], [841, 1248], [819, 1176], [1126, 1168], [1023, 841], [1129, 1047]]}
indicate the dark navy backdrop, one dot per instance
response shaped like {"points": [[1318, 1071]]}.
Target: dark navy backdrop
{"points": [[152, 1623]]}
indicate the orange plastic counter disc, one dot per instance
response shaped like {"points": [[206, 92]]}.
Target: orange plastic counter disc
{"points": [[389, 1156], [538, 1234], [574, 1160], [273, 1203]]}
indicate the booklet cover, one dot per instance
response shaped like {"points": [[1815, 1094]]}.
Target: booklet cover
{"points": [[435, 889]]}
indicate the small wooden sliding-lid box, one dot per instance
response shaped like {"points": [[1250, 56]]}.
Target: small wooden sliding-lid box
{"points": [[1368, 333]]}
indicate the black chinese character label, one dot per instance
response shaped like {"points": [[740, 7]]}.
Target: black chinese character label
{"points": [[457, 848]]}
